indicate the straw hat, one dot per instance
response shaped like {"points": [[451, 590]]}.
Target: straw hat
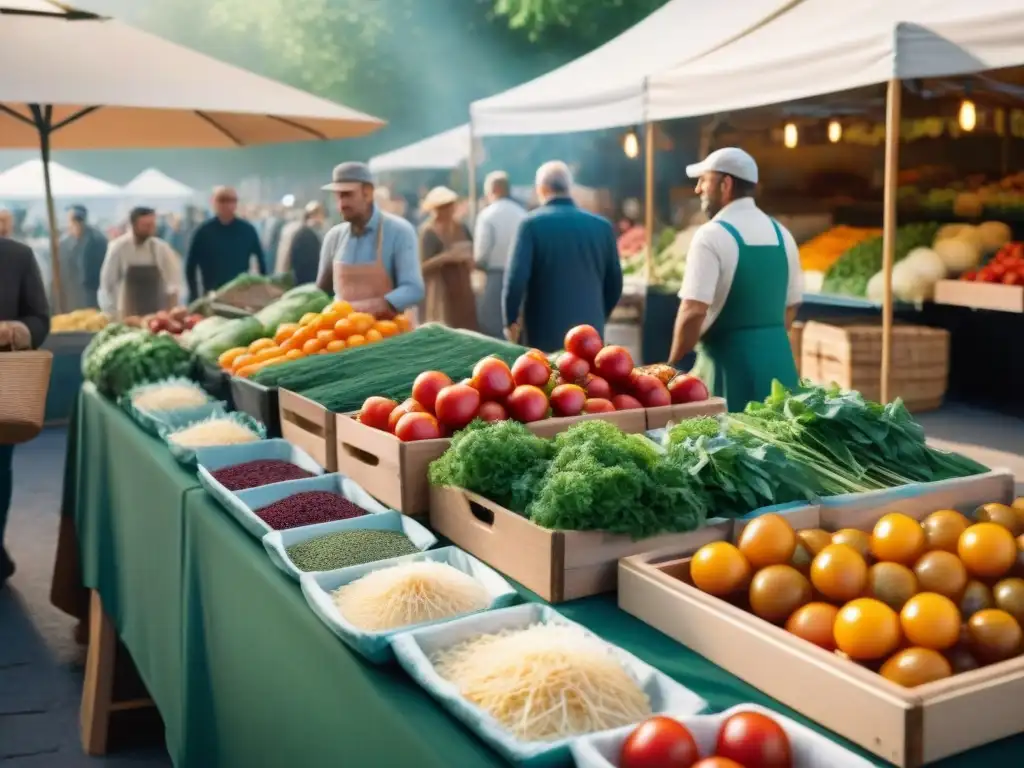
{"points": [[438, 197]]}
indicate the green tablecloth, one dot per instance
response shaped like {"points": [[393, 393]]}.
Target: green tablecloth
{"points": [[243, 672], [65, 374]]}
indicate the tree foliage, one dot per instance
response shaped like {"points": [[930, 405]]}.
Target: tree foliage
{"points": [[594, 21]]}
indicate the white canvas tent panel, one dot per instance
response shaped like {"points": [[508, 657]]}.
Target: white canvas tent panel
{"points": [[441, 151], [824, 46], [606, 87], [154, 183], [25, 182]]}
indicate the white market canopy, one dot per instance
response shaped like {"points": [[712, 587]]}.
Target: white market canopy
{"points": [[25, 182], [153, 183], [823, 46], [607, 87], [442, 151]]}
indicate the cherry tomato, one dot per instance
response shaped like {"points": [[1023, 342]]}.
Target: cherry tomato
{"points": [[492, 379], [614, 364], [660, 742], [567, 400], [687, 389], [417, 426], [492, 411], [573, 368], [536, 354], [583, 341], [408, 406], [598, 387], [427, 385], [457, 405], [527, 404], [375, 412], [754, 741], [598, 405], [650, 391], [626, 403], [531, 370], [717, 762]]}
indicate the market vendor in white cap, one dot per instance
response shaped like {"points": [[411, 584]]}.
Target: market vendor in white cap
{"points": [[741, 288], [370, 260]]}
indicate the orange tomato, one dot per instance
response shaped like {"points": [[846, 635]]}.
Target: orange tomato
{"points": [[777, 591], [987, 549], [308, 318], [867, 629], [343, 328], [891, 583], [916, 666], [242, 360], [341, 308], [294, 354], [813, 622], [326, 336], [335, 345], [312, 346], [839, 573], [815, 539], [267, 353], [248, 370], [993, 636], [403, 322], [327, 320], [227, 359], [386, 328], [285, 332], [1001, 514], [355, 340], [767, 540], [931, 621], [361, 321], [855, 538], [943, 573], [261, 344], [898, 538], [373, 335], [720, 569], [299, 338], [942, 529]]}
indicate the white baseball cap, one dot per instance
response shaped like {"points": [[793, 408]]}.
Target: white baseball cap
{"points": [[731, 160]]}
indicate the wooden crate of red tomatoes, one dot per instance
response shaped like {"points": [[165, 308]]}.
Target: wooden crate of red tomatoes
{"points": [[998, 285], [387, 447]]}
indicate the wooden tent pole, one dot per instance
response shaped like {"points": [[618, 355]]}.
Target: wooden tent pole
{"points": [[649, 198], [42, 116], [892, 167]]}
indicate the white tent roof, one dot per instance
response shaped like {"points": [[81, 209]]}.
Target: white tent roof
{"points": [[825, 46], [154, 183], [606, 87], [25, 182], [441, 151]]}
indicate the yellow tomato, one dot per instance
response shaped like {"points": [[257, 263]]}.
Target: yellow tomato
{"points": [[293, 354], [336, 345], [308, 318], [386, 328], [373, 335], [261, 344], [285, 331], [227, 359], [355, 340], [341, 307], [313, 346], [361, 322]]}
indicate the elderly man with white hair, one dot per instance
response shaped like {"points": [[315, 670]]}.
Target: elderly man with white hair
{"points": [[495, 231], [564, 270]]}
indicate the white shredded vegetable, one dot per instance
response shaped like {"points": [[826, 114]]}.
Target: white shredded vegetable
{"points": [[545, 682], [213, 432], [169, 397]]}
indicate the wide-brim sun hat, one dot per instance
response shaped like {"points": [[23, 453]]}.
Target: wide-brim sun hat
{"points": [[438, 197]]}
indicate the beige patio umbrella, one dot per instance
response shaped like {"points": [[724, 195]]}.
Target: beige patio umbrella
{"points": [[76, 80]]}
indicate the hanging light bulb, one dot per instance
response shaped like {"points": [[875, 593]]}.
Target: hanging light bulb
{"points": [[631, 145], [835, 131], [789, 135], [968, 115]]}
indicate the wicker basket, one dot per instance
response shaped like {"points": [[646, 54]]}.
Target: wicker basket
{"points": [[24, 382]]}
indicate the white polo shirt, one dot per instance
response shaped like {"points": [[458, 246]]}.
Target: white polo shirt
{"points": [[496, 229], [714, 253]]}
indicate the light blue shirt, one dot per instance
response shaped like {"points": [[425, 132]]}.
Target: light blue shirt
{"points": [[399, 254]]}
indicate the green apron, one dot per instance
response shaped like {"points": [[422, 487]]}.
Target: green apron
{"points": [[747, 346]]}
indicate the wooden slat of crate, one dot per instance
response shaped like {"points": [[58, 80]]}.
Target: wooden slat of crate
{"points": [[796, 334]]}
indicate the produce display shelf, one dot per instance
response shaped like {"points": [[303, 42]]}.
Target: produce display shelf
{"points": [[907, 727], [993, 296], [852, 302]]}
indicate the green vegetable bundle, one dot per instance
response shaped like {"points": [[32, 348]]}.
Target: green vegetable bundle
{"points": [[98, 340], [291, 307], [130, 359], [240, 332], [851, 272], [343, 380]]}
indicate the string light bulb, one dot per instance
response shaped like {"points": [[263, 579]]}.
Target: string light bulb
{"points": [[790, 137], [968, 115], [835, 131], [631, 145]]}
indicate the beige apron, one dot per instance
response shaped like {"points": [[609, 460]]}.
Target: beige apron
{"points": [[142, 289], [359, 282]]}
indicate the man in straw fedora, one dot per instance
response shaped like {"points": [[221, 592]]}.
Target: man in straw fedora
{"points": [[447, 250]]}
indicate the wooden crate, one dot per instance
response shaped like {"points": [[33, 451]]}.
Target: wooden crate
{"points": [[661, 417], [963, 293], [849, 353], [310, 426], [557, 565], [796, 335], [908, 727], [395, 473]]}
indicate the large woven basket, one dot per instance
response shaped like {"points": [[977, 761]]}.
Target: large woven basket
{"points": [[24, 382]]}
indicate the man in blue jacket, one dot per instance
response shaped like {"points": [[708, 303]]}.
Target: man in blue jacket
{"points": [[564, 270]]}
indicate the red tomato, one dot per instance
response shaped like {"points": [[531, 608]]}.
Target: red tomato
{"points": [[1013, 278], [573, 368], [972, 275], [614, 364], [375, 412], [598, 387], [493, 379], [650, 391], [491, 411], [536, 354], [457, 405], [626, 403], [407, 406], [598, 405], [426, 386], [527, 403], [567, 400], [985, 275], [754, 741], [583, 341], [660, 742], [717, 762], [417, 426], [686, 388], [529, 370]]}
